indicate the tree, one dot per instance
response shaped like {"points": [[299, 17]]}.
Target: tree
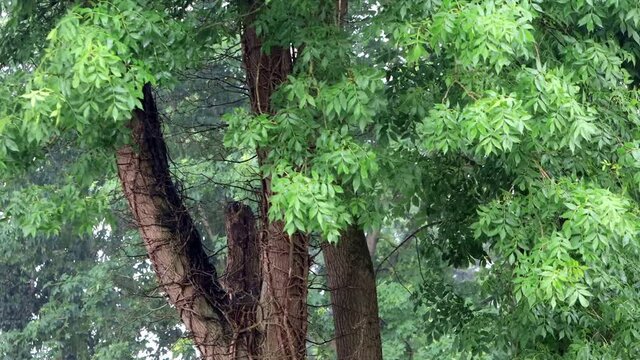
{"points": [[524, 107], [495, 133], [285, 258], [167, 229], [352, 284], [350, 271]]}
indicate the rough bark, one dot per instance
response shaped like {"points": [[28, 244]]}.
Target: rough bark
{"points": [[285, 260], [284, 293], [354, 302], [264, 72], [242, 280], [169, 235], [352, 283]]}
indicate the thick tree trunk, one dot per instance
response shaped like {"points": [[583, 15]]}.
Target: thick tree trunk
{"points": [[284, 293], [170, 237], [285, 260], [352, 283], [353, 296]]}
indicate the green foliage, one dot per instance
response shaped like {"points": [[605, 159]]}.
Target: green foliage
{"points": [[507, 126], [92, 72], [490, 125], [570, 262], [313, 154], [537, 102], [81, 289]]}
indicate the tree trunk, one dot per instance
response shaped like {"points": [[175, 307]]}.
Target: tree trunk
{"points": [[284, 293], [285, 260], [242, 281], [169, 235], [352, 282], [372, 241], [353, 296]]}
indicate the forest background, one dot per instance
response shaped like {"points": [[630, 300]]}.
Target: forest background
{"points": [[407, 179]]}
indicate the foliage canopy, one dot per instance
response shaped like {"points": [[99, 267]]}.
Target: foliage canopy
{"points": [[510, 127]]}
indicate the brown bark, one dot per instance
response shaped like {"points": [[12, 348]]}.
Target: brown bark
{"points": [[284, 293], [169, 235], [285, 259], [264, 72], [222, 323], [242, 280], [352, 283], [354, 300]]}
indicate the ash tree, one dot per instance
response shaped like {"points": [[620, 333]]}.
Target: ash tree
{"points": [[502, 131]]}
